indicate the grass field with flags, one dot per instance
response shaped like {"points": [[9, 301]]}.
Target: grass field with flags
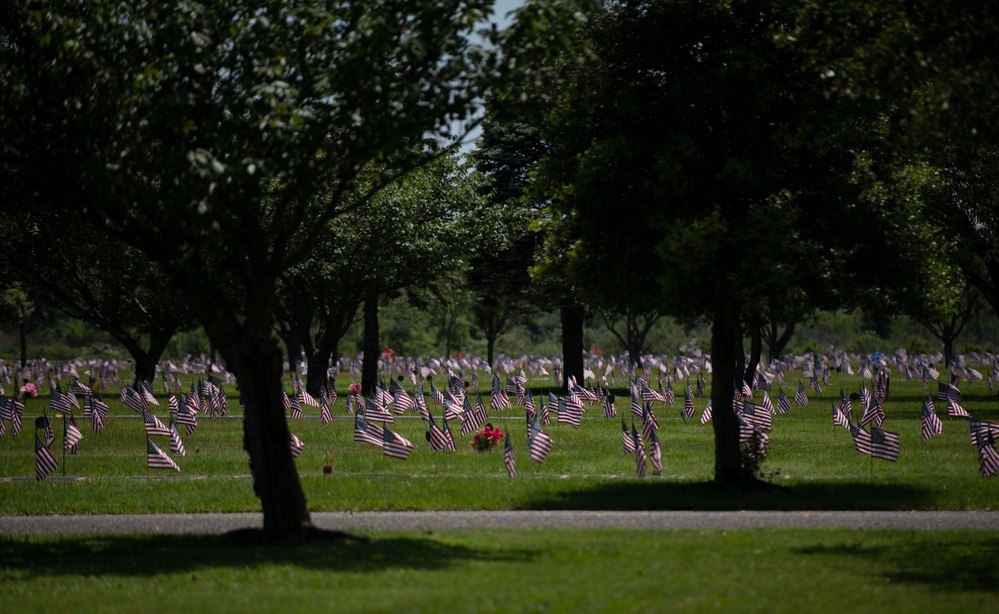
{"points": [[810, 449], [388, 460]]}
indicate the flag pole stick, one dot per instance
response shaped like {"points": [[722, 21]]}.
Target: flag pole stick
{"points": [[64, 427]]}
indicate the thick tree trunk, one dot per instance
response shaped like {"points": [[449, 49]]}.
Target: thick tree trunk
{"points": [[725, 336], [369, 368], [572, 317], [293, 344], [146, 359], [256, 360], [319, 364]]}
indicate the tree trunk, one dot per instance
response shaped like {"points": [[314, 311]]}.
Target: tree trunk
{"points": [[755, 351], [293, 344], [256, 360], [776, 343], [24, 343], [725, 336], [490, 347], [146, 359], [572, 342], [369, 368], [319, 364], [948, 346]]}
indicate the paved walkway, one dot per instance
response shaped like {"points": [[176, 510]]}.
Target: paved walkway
{"points": [[438, 521]]}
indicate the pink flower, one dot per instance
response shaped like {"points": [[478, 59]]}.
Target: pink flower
{"points": [[355, 388], [29, 390]]}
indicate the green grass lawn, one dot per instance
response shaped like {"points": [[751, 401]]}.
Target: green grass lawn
{"points": [[510, 571], [587, 469], [778, 570]]}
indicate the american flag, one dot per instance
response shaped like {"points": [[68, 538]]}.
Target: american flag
{"points": [[176, 444], [838, 418], [17, 411], [421, 405], [157, 459], [47, 426], [436, 395], [71, 435], [296, 446], [706, 415], [688, 405], [186, 414], [45, 463], [395, 445], [367, 432], [884, 444], [873, 413], [438, 441], [609, 409], [983, 428], [568, 412], [636, 406], [296, 407], [529, 405], [508, 460], [861, 439], [153, 425], [627, 439], [472, 420], [649, 423], [539, 443], [988, 457], [844, 405], [133, 399], [304, 398], [324, 412], [814, 383], [498, 401], [656, 453], [146, 390], [377, 412], [543, 412], [639, 453], [766, 403], [800, 397], [669, 397], [59, 402], [956, 411], [756, 416], [401, 401], [948, 392], [762, 381], [931, 423]]}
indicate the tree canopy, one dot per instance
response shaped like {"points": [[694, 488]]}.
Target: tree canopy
{"points": [[203, 134], [683, 131]]}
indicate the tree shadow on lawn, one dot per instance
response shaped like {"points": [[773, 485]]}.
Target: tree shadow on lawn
{"points": [[655, 495], [149, 555], [964, 562]]}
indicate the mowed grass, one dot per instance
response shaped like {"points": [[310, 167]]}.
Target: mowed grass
{"points": [[587, 469], [528, 570]]}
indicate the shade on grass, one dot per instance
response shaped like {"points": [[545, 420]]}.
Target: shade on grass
{"points": [[511, 571]]}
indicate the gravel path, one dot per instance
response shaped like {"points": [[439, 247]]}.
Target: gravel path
{"points": [[437, 521]]}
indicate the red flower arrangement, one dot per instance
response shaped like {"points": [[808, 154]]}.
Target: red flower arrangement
{"points": [[29, 390], [355, 388], [486, 439]]}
